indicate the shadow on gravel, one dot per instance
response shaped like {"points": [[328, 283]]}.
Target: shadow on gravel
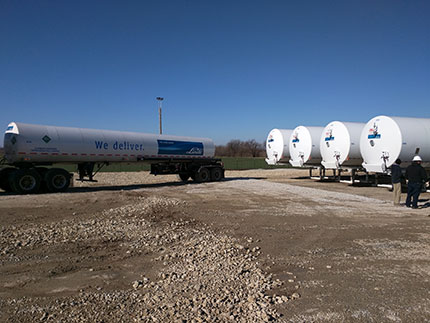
{"points": [[425, 205], [135, 186], [325, 179], [153, 185], [331, 179], [240, 179]]}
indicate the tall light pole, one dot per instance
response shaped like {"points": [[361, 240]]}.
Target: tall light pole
{"points": [[160, 103]]}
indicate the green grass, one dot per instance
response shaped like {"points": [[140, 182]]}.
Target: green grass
{"points": [[230, 163]]}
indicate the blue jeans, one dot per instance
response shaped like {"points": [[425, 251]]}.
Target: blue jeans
{"points": [[414, 190]]}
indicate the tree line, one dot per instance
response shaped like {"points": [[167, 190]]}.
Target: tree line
{"points": [[238, 148]]}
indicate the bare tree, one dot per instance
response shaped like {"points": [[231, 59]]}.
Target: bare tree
{"points": [[253, 147], [238, 148], [234, 148]]}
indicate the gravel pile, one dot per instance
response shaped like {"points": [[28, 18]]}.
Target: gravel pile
{"points": [[123, 223], [126, 178], [205, 276]]}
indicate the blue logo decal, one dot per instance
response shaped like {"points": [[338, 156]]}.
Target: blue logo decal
{"points": [[329, 138], [9, 128], [374, 136], [373, 132], [173, 147], [271, 140]]}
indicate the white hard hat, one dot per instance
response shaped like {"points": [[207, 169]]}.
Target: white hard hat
{"points": [[417, 158]]}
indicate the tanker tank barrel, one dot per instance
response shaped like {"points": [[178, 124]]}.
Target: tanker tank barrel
{"points": [[385, 139], [29, 147], [304, 146], [277, 146], [340, 145]]}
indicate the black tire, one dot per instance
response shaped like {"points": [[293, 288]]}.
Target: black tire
{"points": [[184, 177], [4, 178], [42, 171], [25, 181], [57, 180], [202, 175], [217, 174]]}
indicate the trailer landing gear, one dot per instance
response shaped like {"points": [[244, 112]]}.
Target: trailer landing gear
{"points": [[87, 170]]}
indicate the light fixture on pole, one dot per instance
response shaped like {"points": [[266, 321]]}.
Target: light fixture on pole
{"points": [[160, 103]]}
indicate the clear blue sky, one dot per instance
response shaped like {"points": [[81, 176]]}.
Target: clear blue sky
{"points": [[227, 69]]}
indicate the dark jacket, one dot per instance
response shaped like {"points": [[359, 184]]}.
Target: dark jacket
{"points": [[396, 174], [415, 173]]}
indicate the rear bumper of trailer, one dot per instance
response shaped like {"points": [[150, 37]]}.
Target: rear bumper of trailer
{"points": [[374, 168], [329, 165]]}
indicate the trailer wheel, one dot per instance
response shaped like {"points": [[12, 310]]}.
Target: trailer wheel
{"points": [[202, 175], [42, 171], [57, 180], [25, 181], [4, 179], [217, 174], [184, 177]]}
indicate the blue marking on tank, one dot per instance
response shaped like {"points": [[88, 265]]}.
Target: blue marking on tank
{"points": [[374, 136], [174, 147]]}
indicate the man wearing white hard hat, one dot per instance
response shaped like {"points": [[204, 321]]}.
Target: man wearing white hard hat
{"points": [[416, 176]]}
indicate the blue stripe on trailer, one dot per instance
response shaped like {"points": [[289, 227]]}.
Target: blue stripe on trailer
{"points": [[174, 147]]}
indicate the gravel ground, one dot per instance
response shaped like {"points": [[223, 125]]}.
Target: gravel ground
{"points": [[259, 246], [205, 276]]}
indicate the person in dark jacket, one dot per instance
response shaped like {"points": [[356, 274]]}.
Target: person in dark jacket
{"points": [[416, 176], [396, 178]]}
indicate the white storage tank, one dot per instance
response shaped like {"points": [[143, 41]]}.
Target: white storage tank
{"points": [[340, 145], [304, 146], [384, 139], [277, 146], [36, 143]]}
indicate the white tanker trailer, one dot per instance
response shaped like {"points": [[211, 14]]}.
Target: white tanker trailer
{"points": [[29, 147], [304, 146], [340, 145], [277, 146], [384, 139]]}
